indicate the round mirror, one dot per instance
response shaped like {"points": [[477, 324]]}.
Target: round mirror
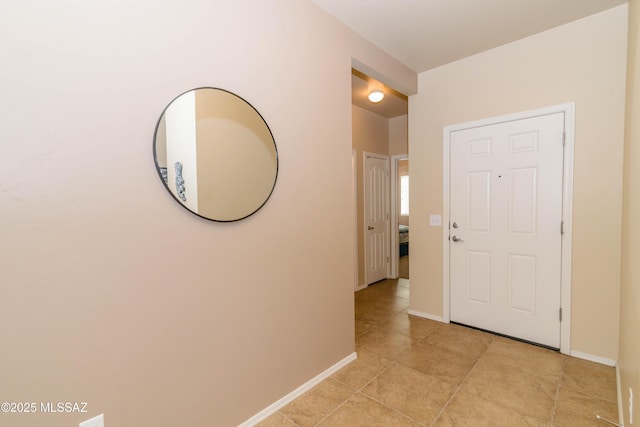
{"points": [[215, 154]]}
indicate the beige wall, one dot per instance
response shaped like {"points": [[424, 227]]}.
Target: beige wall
{"points": [[398, 135], [629, 357], [583, 61], [113, 294], [370, 134]]}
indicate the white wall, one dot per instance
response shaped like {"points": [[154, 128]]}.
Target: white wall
{"points": [[403, 170], [113, 294], [583, 61], [180, 119]]}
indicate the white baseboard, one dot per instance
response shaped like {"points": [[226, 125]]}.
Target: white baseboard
{"points": [[592, 358], [427, 316], [274, 407], [361, 287]]}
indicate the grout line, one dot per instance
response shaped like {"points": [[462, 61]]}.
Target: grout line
{"points": [[582, 391], [287, 418], [402, 414], [328, 414], [386, 368], [454, 394], [358, 390], [361, 391], [555, 401]]}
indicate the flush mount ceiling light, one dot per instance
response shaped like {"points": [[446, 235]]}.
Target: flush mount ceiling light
{"points": [[376, 96]]}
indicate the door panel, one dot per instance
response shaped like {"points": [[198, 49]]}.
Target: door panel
{"points": [[522, 283], [479, 201], [524, 195], [506, 198], [479, 276]]}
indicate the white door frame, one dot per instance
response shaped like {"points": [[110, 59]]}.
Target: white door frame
{"points": [[395, 249], [366, 154], [567, 208]]}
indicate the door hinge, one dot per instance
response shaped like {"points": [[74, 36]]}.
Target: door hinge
{"points": [[561, 227], [387, 260], [560, 314]]}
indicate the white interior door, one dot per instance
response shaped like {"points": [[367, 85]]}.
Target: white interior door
{"points": [[376, 210], [505, 226]]}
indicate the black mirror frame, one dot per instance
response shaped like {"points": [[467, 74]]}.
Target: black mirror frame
{"points": [[166, 185]]}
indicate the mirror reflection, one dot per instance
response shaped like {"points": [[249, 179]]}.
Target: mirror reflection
{"points": [[215, 154]]}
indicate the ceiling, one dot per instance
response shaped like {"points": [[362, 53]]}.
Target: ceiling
{"points": [[424, 34], [394, 103]]}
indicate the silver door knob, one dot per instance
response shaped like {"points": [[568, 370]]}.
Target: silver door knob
{"points": [[369, 227], [457, 239], [455, 225]]}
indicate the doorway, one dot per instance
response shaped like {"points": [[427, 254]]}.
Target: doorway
{"points": [[507, 248], [400, 236], [380, 129]]}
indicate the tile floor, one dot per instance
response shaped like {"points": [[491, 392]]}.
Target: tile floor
{"points": [[412, 371]]}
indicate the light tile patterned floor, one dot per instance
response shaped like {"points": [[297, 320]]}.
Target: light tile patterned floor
{"points": [[412, 371]]}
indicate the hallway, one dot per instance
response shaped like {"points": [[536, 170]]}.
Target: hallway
{"points": [[412, 371]]}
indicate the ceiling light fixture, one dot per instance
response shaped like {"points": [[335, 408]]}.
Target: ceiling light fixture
{"points": [[376, 96]]}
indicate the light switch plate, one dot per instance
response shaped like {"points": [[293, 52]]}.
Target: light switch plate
{"points": [[435, 220], [94, 422]]}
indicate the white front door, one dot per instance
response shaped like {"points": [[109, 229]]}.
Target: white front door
{"points": [[376, 210], [505, 225]]}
